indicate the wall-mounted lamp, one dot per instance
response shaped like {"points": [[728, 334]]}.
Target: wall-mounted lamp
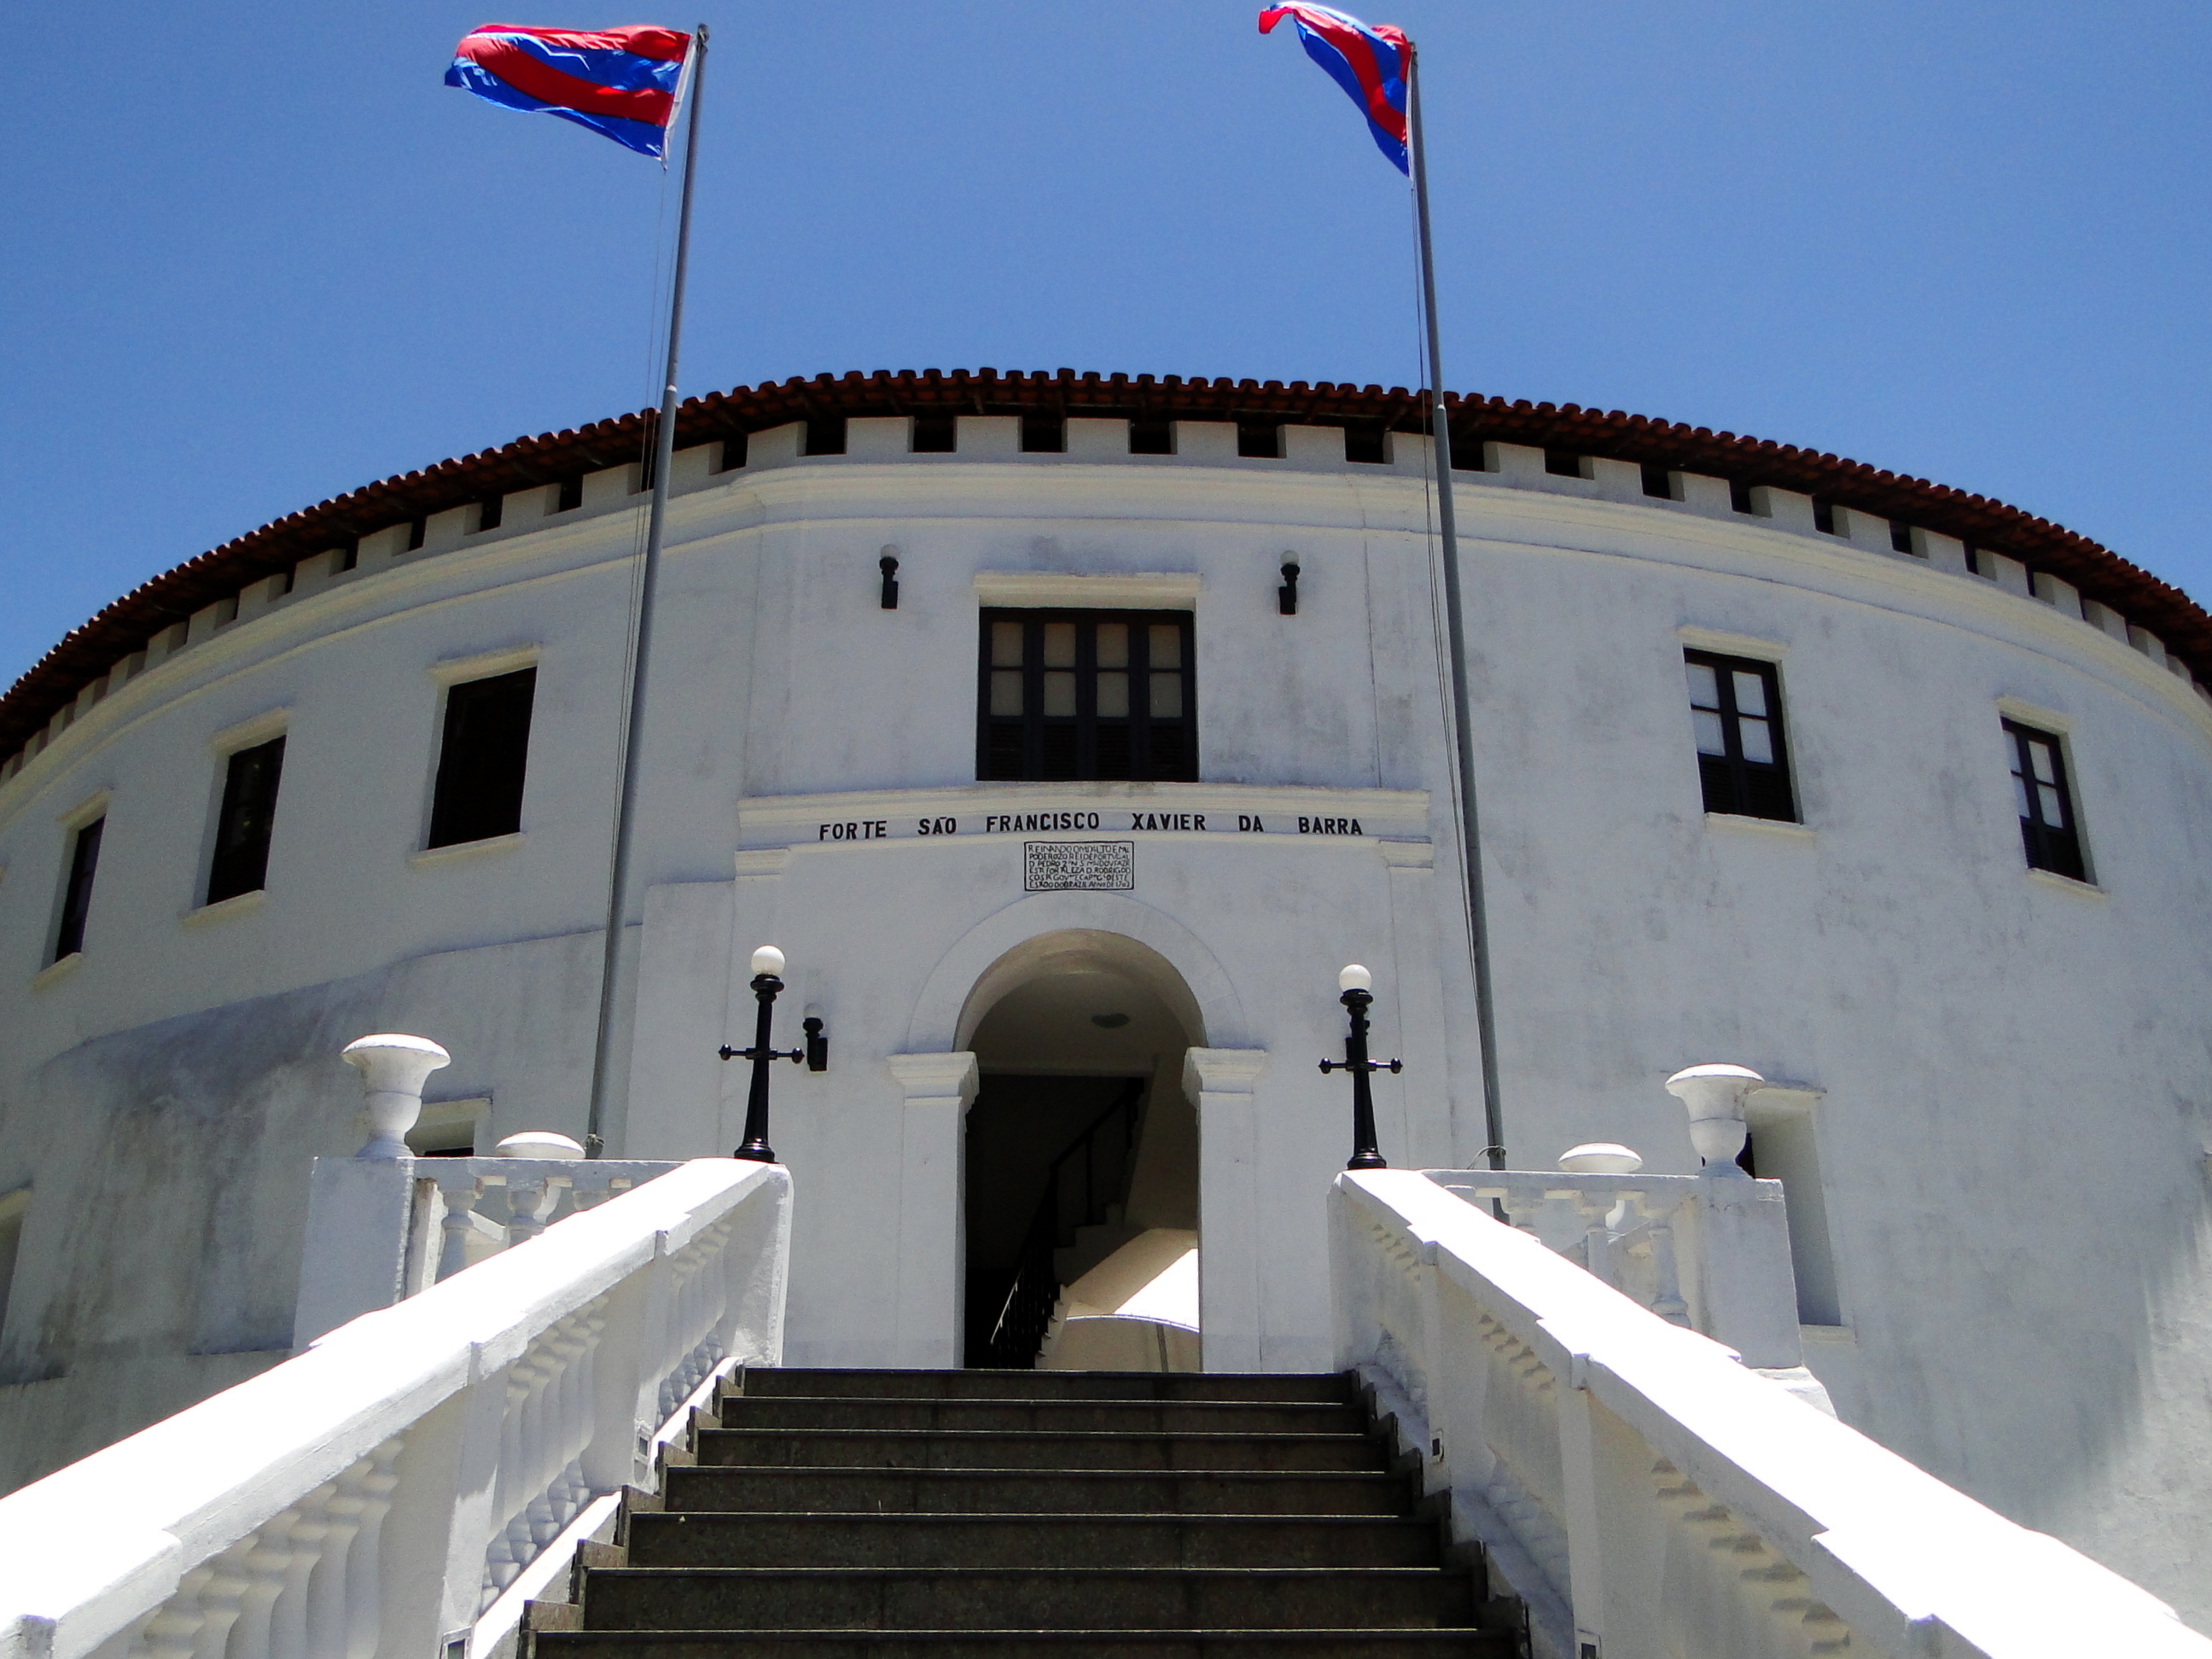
{"points": [[889, 565], [1287, 596], [818, 1044], [1354, 981], [767, 966]]}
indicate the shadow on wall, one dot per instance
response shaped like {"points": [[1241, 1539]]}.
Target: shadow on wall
{"points": [[159, 1257]]}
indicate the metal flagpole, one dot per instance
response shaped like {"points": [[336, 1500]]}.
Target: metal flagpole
{"points": [[1493, 1112], [663, 449]]}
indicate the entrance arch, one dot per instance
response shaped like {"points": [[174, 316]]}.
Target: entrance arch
{"points": [[1081, 1149], [970, 976]]}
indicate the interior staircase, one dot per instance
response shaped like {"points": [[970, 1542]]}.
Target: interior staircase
{"points": [[1078, 1515]]}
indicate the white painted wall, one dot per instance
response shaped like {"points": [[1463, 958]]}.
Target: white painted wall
{"points": [[2016, 1077]]}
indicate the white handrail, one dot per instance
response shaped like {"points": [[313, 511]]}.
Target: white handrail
{"points": [[1648, 1498], [372, 1497]]}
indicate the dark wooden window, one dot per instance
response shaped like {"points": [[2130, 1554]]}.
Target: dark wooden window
{"points": [[1260, 440], [1739, 496], [2048, 832], [936, 435], [1044, 435], [418, 530], [734, 453], [1735, 705], [1086, 694], [480, 763], [1658, 480], [571, 494], [825, 435], [1564, 464], [1151, 437], [1901, 538], [242, 826], [489, 512], [1368, 444], [77, 895], [1824, 517]]}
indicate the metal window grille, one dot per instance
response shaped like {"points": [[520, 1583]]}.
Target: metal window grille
{"points": [[1735, 705], [1068, 694], [2048, 832]]}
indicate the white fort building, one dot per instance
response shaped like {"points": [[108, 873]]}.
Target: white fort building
{"points": [[1068, 733]]}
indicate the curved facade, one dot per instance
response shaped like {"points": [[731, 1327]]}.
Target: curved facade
{"points": [[1137, 863]]}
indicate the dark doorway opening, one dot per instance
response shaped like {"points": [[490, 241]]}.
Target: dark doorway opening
{"points": [[1081, 1149], [1049, 1158]]}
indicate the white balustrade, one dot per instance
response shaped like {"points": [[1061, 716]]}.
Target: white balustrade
{"points": [[385, 1224], [401, 1487], [1647, 1496], [1709, 1251]]}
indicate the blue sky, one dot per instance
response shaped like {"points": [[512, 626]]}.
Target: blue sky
{"points": [[255, 256]]}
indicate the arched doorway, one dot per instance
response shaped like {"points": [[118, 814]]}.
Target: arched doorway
{"points": [[1081, 1149]]}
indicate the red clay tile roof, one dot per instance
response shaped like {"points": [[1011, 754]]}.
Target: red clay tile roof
{"points": [[88, 652]]}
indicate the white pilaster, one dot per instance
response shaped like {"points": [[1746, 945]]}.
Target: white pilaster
{"points": [[1219, 1083], [932, 1205]]}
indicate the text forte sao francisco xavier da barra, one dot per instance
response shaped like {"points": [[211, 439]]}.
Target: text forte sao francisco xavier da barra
{"points": [[1018, 824]]}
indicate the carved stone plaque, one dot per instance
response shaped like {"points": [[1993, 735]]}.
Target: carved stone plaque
{"points": [[1058, 867]]}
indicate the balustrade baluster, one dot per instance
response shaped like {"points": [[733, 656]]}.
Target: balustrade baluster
{"points": [[460, 1190], [369, 1484], [528, 1198], [311, 1533], [1597, 1235], [174, 1631], [267, 1570], [222, 1598], [323, 1634], [1669, 1304], [509, 1494]]}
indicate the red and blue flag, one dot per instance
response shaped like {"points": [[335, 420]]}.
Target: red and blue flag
{"points": [[1369, 61], [621, 84]]}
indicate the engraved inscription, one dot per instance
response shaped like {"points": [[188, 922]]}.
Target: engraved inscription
{"points": [[1055, 866]]}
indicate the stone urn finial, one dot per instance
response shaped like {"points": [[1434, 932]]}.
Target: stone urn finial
{"points": [[1601, 1158], [392, 1068], [1714, 1096]]}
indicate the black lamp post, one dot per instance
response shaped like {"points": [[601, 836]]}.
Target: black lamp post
{"points": [[1354, 981], [767, 966]]}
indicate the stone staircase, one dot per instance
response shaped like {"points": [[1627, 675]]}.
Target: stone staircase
{"points": [[1078, 1515]]}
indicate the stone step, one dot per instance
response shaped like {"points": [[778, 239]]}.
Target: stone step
{"points": [[802, 1491], [1028, 1541], [1053, 1415], [901, 1449], [1326, 1387], [1030, 1644], [1112, 1598]]}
